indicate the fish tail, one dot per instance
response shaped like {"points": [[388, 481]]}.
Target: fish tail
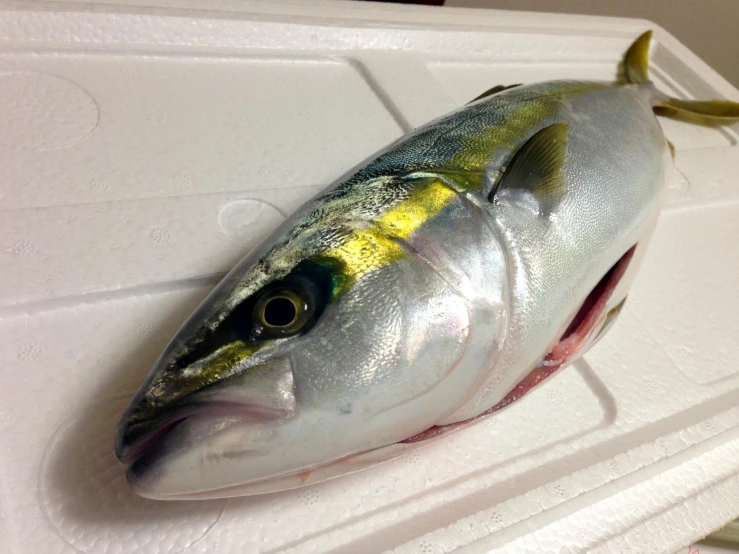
{"points": [[635, 70]]}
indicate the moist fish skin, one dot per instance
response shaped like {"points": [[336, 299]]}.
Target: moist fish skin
{"points": [[434, 284]]}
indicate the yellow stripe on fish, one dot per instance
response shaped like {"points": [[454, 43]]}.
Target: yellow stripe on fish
{"points": [[207, 371], [377, 244], [481, 148], [361, 251]]}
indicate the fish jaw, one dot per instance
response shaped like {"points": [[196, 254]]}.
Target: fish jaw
{"points": [[292, 480]]}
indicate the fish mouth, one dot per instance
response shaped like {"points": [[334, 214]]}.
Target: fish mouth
{"points": [[581, 328], [161, 429], [129, 453], [147, 434]]}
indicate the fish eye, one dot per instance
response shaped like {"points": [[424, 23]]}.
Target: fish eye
{"points": [[280, 313]]}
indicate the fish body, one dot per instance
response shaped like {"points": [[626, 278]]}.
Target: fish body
{"points": [[434, 284]]}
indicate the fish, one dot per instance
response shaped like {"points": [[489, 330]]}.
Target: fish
{"points": [[431, 286]]}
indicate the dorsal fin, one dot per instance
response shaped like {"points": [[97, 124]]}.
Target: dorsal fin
{"points": [[496, 89], [537, 168], [636, 60]]}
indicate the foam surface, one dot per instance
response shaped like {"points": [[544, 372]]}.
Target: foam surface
{"points": [[145, 151]]}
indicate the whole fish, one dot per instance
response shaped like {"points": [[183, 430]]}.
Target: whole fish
{"points": [[434, 284]]}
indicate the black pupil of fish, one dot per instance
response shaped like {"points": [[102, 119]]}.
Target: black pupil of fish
{"points": [[279, 312]]}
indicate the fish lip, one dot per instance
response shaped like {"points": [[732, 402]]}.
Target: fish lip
{"points": [[131, 453]]}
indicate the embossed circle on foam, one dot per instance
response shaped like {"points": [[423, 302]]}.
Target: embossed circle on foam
{"points": [[240, 217], [39, 111], [86, 498]]}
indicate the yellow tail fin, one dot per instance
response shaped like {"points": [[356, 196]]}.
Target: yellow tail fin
{"points": [[635, 71]]}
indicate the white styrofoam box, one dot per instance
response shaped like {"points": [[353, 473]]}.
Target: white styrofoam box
{"points": [[145, 148]]}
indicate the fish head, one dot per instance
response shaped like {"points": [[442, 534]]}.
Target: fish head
{"points": [[329, 340]]}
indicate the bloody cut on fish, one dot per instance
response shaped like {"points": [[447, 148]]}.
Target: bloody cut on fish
{"points": [[431, 286]]}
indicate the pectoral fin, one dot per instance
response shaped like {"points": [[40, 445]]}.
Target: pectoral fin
{"points": [[496, 89], [537, 168]]}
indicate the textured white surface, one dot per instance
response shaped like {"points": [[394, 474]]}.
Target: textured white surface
{"points": [[143, 151]]}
